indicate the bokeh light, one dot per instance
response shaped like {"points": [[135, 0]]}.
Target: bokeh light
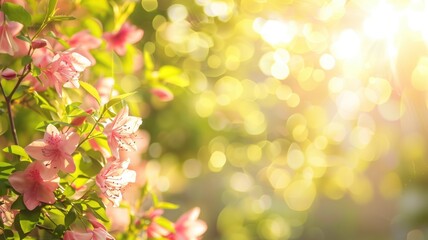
{"points": [[302, 119]]}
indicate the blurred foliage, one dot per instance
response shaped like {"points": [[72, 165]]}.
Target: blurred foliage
{"points": [[303, 119]]}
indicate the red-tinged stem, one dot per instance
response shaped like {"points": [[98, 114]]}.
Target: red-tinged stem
{"points": [[8, 100]]}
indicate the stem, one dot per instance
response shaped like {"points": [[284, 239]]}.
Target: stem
{"points": [[9, 114], [43, 227], [50, 219], [93, 128], [8, 100]]}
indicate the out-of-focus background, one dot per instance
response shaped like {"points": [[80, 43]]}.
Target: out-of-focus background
{"points": [[304, 119]]}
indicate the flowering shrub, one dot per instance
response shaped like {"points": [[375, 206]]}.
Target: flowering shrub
{"points": [[69, 181]]}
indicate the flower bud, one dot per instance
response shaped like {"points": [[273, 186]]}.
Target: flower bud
{"points": [[81, 119], [163, 93], [8, 74], [39, 43]]}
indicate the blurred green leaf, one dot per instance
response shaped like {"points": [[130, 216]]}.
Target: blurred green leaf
{"points": [[24, 38], [19, 203], [97, 208], [118, 99], [70, 217], [167, 205], [148, 62], [43, 103], [59, 230], [69, 191], [177, 80], [60, 18], [165, 223], [168, 71], [36, 71], [4, 123], [93, 26], [59, 39], [16, 13], [29, 219], [91, 90], [5, 170], [51, 7], [73, 110], [16, 150], [26, 60]]}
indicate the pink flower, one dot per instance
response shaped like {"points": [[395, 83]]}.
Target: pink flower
{"points": [[8, 74], [113, 178], [55, 149], [77, 121], [8, 32], [64, 70], [39, 43], [6, 213], [37, 184], [120, 219], [82, 42], [121, 132], [98, 233], [188, 227], [155, 230], [128, 34], [43, 56], [163, 93]]}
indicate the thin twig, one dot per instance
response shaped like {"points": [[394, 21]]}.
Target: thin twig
{"points": [[93, 128]]}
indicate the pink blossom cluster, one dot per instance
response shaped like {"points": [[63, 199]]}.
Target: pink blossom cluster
{"points": [[50, 162], [187, 227]]}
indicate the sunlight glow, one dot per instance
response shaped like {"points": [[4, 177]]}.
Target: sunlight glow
{"points": [[275, 32], [347, 46], [383, 22]]}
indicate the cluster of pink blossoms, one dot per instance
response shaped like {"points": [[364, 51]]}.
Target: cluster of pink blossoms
{"points": [[187, 227], [54, 152], [39, 183]]}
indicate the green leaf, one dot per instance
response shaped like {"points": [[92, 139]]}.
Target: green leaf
{"points": [[43, 103], [19, 203], [17, 150], [60, 18], [24, 38], [165, 223], [69, 191], [26, 60], [168, 71], [4, 123], [59, 230], [118, 99], [59, 39], [70, 217], [4, 187], [43, 125], [29, 219], [97, 208], [16, 13], [8, 234], [73, 110], [91, 90], [5, 170], [148, 62], [178, 80], [167, 205], [51, 7], [36, 71]]}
